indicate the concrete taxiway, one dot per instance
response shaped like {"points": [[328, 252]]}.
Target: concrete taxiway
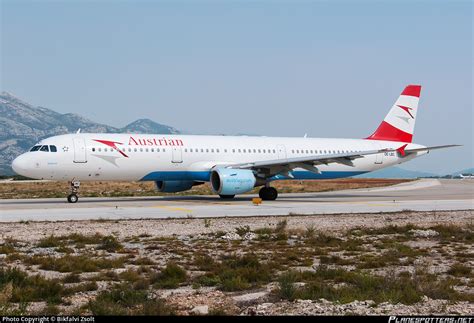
{"points": [[421, 195]]}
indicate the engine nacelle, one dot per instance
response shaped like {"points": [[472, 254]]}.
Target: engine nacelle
{"points": [[173, 186], [227, 181]]}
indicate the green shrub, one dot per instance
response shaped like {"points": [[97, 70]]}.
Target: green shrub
{"points": [[460, 270], [238, 273], [30, 288], [170, 277], [242, 231], [72, 278], [208, 280], [110, 244], [50, 242], [69, 263], [286, 283], [125, 301]]}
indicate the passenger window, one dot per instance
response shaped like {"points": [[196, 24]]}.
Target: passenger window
{"points": [[212, 150], [239, 150], [146, 149], [244, 151], [152, 150], [254, 151], [52, 149], [93, 149], [164, 150], [135, 149], [233, 150], [141, 150], [44, 148]]}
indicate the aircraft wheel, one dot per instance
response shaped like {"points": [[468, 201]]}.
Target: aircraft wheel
{"points": [[72, 198], [268, 193]]}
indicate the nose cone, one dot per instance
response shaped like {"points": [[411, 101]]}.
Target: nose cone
{"points": [[20, 165]]}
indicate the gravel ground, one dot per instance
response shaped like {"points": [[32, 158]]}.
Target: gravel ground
{"points": [[422, 247], [32, 231]]}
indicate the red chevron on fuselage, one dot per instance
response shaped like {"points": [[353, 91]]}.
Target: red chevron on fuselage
{"points": [[112, 145]]}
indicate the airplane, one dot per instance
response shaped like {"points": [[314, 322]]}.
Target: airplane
{"points": [[231, 164], [466, 176]]}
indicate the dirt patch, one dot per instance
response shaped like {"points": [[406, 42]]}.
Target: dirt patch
{"points": [[17, 190]]}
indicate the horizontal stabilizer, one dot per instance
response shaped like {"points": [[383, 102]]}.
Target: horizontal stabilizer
{"points": [[429, 148]]}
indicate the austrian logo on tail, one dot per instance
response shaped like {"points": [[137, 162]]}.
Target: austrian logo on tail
{"points": [[407, 110], [112, 144]]}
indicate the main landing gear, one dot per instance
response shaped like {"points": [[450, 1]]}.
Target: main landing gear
{"points": [[268, 193], [72, 198]]}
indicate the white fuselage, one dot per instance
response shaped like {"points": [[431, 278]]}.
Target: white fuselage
{"points": [[141, 157]]}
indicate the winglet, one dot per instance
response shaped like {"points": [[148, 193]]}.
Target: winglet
{"points": [[401, 150]]}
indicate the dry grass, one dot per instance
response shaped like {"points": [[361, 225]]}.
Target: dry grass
{"points": [[111, 189], [386, 264]]}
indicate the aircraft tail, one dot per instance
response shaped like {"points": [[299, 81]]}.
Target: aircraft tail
{"points": [[399, 124]]}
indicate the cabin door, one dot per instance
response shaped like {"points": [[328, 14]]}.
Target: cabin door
{"points": [[281, 152], [177, 156], [80, 152], [379, 157]]}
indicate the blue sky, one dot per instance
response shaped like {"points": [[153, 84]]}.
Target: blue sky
{"points": [[276, 68]]}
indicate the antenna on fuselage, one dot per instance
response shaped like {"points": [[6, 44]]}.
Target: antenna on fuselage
{"points": [[305, 135], [78, 130]]}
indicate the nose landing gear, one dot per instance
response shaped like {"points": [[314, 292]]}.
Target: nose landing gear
{"points": [[268, 193], [72, 198]]}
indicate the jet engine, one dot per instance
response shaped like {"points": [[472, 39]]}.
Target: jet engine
{"points": [[229, 182], [174, 186]]}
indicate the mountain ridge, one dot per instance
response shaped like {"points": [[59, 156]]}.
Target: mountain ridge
{"points": [[22, 125]]}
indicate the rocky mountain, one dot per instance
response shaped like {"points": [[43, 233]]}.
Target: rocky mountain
{"points": [[22, 125], [147, 126]]}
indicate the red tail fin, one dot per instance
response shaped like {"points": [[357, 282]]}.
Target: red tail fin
{"points": [[399, 124]]}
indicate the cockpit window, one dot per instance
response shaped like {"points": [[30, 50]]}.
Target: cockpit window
{"points": [[44, 148], [52, 149], [35, 148]]}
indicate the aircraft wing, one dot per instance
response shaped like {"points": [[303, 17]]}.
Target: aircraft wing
{"points": [[270, 168]]}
